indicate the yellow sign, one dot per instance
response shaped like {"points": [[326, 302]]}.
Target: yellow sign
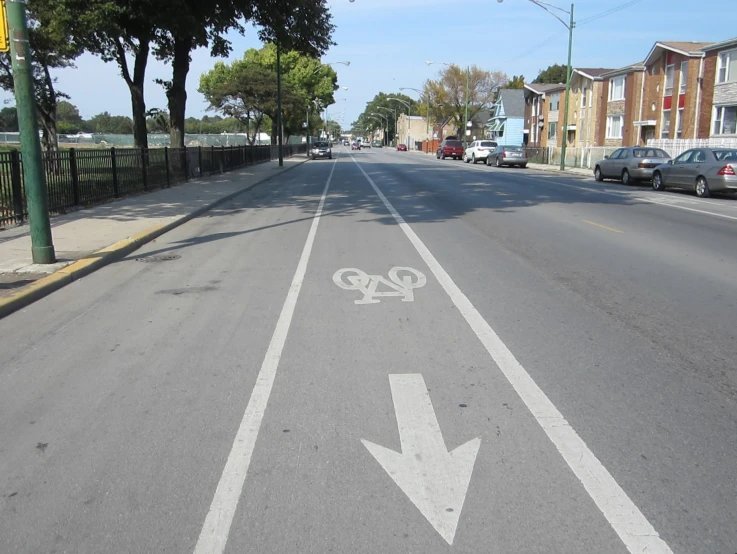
{"points": [[4, 32]]}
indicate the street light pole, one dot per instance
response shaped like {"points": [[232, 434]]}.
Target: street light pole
{"points": [[42, 246], [570, 26], [465, 130], [427, 115], [279, 129], [394, 111], [409, 121]]}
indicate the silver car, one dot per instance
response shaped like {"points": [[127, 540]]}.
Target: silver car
{"points": [[321, 149], [630, 164], [507, 155], [703, 170]]}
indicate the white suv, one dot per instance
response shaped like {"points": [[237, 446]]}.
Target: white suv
{"points": [[478, 150]]}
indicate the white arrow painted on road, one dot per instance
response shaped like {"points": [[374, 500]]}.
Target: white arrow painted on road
{"points": [[435, 480]]}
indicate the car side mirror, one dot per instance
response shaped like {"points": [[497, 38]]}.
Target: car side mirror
{"points": [[606, 157], [670, 162]]}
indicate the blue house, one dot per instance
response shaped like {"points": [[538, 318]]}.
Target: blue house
{"points": [[507, 121]]}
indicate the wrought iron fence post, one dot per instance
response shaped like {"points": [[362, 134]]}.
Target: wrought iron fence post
{"points": [[212, 159], [222, 158], [166, 162], [199, 159], [75, 175], [114, 161], [144, 171], [185, 161], [17, 186]]}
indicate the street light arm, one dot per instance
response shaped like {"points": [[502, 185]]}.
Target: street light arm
{"points": [[409, 106]]}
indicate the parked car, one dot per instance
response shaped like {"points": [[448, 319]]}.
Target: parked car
{"points": [[507, 155], [377, 144], [321, 149], [402, 147], [450, 148], [356, 145], [366, 144], [478, 150], [703, 170], [630, 164]]}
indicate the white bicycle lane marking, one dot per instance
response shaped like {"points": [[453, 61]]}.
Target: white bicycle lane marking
{"points": [[633, 528], [396, 285]]}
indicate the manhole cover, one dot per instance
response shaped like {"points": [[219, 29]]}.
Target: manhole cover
{"points": [[160, 258]]}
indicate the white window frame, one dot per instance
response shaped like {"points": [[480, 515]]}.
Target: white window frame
{"points": [[670, 73], [665, 129], [554, 101], [717, 127], [684, 77], [679, 122], [724, 61], [613, 85], [553, 126], [584, 97], [610, 126]]}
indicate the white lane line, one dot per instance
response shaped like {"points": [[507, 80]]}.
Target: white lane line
{"points": [[628, 522], [215, 531]]}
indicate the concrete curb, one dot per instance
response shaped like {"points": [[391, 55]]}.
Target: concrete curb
{"points": [[85, 266], [552, 169]]}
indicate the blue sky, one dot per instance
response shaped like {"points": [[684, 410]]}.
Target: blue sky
{"points": [[388, 41]]}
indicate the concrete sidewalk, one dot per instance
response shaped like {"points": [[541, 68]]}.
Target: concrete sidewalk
{"points": [[91, 238]]}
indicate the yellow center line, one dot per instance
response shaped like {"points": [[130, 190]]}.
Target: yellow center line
{"points": [[602, 226]]}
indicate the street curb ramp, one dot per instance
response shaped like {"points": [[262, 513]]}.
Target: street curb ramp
{"points": [[76, 270]]}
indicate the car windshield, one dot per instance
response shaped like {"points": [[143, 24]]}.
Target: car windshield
{"points": [[321, 144], [725, 155], [513, 149], [488, 144], [452, 143], [649, 153]]}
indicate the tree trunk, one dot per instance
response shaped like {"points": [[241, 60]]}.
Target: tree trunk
{"points": [[135, 84], [177, 92], [49, 134]]}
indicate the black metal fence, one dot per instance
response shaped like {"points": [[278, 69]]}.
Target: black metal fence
{"points": [[80, 177]]}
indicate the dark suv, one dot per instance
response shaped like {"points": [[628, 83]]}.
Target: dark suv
{"points": [[450, 148]]}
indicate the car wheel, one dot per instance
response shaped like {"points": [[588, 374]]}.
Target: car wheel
{"points": [[487, 161], [597, 174], [473, 158], [437, 155], [442, 156], [626, 178], [702, 188], [524, 166], [330, 157], [465, 158], [497, 163], [658, 182]]}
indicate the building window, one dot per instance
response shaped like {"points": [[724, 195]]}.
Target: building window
{"points": [[684, 77], [584, 96], [679, 123], [727, 67], [614, 127], [665, 127], [554, 102], [552, 130], [616, 88], [669, 72], [725, 120]]}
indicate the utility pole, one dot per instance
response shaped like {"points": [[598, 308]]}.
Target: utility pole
{"points": [[42, 246], [570, 26], [279, 128], [465, 122]]}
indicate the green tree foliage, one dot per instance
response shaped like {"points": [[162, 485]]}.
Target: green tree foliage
{"points": [[447, 93], [68, 119], [555, 73], [246, 90], [50, 50], [517, 81], [113, 124], [9, 120]]}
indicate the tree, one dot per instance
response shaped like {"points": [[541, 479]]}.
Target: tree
{"points": [[555, 73], [517, 81], [115, 30], [50, 49], [9, 120], [68, 119], [245, 89], [448, 93]]}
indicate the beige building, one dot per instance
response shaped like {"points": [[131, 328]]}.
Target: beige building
{"points": [[585, 103], [411, 130]]}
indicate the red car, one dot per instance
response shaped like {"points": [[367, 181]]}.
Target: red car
{"points": [[402, 147], [450, 148], [356, 146]]}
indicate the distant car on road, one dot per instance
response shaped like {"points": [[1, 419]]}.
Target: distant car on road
{"points": [[478, 150], [356, 146], [507, 155], [450, 148], [321, 149], [377, 144], [702, 170], [402, 147], [366, 144], [630, 164]]}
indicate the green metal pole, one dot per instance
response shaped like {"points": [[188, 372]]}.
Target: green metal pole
{"points": [[427, 115], [568, 94], [279, 129], [42, 246], [465, 122]]}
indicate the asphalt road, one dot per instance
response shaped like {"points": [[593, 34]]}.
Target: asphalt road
{"points": [[387, 353]]}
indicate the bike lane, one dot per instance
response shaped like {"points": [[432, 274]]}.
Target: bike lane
{"points": [[349, 455]]}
